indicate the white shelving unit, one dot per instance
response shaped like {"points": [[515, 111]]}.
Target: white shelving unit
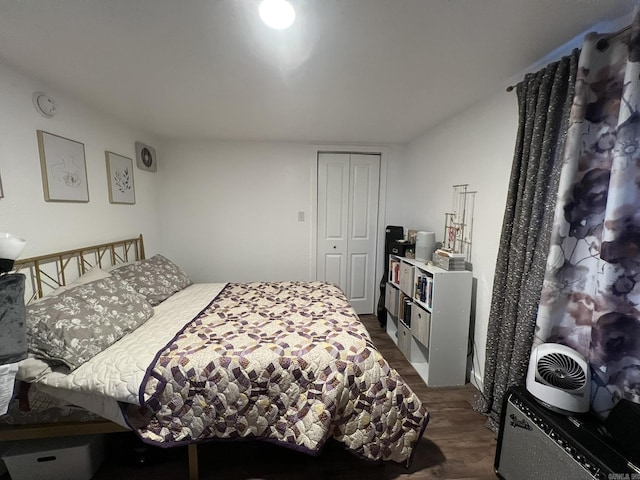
{"points": [[434, 336]]}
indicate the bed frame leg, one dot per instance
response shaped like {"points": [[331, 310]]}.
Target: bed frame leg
{"points": [[193, 461]]}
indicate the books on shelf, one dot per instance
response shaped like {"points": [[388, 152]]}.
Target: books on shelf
{"points": [[424, 289], [406, 312], [449, 260], [394, 271], [445, 252]]}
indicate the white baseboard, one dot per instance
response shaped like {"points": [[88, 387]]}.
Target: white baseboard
{"points": [[476, 380]]}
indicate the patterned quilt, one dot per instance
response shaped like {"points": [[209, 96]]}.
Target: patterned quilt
{"points": [[286, 362]]}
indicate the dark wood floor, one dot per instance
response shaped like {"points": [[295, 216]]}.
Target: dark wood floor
{"points": [[456, 445]]}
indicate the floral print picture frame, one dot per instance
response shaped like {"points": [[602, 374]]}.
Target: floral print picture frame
{"points": [[120, 178], [64, 168]]}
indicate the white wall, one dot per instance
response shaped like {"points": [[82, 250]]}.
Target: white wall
{"points": [[476, 148], [230, 208], [52, 226], [398, 207]]}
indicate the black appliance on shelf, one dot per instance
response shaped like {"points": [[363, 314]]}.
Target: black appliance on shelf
{"points": [[535, 442], [392, 235], [401, 247]]}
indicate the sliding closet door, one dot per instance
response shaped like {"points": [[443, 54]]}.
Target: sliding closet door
{"points": [[348, 189], [333, 217]]}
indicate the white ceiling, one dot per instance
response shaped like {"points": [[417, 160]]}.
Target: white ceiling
{"points": [[348, 71]]}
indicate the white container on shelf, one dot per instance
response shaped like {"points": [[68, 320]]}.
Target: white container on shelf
{"points": [[425, 245]]}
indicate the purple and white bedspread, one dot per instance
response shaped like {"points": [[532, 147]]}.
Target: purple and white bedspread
{"points": [[285, 362]]}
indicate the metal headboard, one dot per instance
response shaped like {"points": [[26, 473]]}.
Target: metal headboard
{"points": [[45, 273]]}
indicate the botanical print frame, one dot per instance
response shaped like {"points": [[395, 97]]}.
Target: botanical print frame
{"points": [[1, 190], [64, 168], [120, 178], [146, 157]]}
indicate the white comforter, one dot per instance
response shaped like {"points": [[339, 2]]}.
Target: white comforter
{"points": [[115, 374]]}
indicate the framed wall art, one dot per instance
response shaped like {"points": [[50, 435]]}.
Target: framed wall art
{"points": [[1, 191], [146, 157], [64, 168], [120, 179]]}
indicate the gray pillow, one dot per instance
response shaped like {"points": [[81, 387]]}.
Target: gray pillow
{"points": [[79, 323], [157, 278]]}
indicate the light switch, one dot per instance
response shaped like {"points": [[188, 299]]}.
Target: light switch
{"points": [[301, 216]]}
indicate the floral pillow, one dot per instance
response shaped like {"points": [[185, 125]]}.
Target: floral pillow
{"points": [[157, 278], [74, 326]]}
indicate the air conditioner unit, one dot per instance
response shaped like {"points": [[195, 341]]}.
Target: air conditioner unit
{"points": [[559, 378]]}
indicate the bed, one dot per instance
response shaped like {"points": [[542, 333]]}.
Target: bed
{"points": [[134, 341]]}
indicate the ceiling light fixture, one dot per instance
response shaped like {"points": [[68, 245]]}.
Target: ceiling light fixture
{"points": [[277, 14]]}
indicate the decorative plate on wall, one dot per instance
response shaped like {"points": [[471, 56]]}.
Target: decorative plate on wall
{"points": [[146, 157]]}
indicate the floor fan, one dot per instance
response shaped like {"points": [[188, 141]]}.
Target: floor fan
{"points": [[559, 378]]}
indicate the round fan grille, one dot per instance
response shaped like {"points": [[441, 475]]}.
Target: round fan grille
{"points": [[561, 371]]}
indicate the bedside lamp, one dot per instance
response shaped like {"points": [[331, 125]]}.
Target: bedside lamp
{"points": [[10, 249]]}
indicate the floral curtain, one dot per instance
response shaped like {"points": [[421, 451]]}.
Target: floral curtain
{"points": [[544, 102], [591, 291]]}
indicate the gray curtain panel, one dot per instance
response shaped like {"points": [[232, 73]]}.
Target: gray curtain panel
{"points": [[544, 100], [13, 328]]}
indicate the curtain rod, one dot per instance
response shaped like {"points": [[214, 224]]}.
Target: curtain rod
{"points": [[602, 44]]}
